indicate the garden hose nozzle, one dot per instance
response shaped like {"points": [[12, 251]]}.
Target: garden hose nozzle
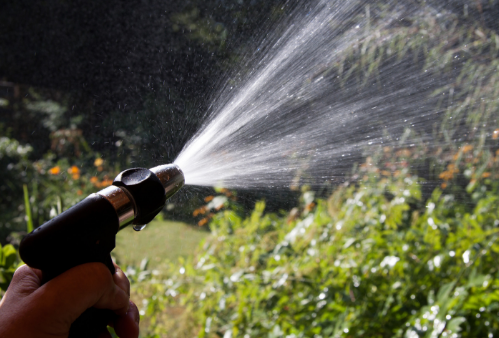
{"points": [[87, 231]]}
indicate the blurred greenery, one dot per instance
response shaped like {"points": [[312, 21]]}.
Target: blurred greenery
{"points": [[9, 261], [375, 259], [162, 240]]}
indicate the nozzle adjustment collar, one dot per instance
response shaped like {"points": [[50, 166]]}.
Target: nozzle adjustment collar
{"points": [[146, 190], [122, 202]]}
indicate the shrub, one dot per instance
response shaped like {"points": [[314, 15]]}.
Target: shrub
{"points": [[376, 259]]}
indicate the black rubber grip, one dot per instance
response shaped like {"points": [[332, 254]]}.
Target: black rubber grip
{"points": [[84, 233]]}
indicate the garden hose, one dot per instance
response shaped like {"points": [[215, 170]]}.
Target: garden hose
{"points": [[87, 231]]}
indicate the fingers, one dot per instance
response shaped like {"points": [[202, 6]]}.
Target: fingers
{"points": [[16, 300], [68, 295], [127, 326], [25, 280], [121, 280]]}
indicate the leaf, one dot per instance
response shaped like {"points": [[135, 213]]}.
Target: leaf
{"points": [[454, 324], [444, 291], [10, 256], [475, 279], [349, 242]]}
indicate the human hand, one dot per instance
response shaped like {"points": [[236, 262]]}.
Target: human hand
{"points": [[29, 309]]}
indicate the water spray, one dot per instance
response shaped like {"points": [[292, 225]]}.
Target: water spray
{"points": [[87, 231]]}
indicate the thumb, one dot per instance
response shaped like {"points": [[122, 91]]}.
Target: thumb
{"points": [[88, 285]]}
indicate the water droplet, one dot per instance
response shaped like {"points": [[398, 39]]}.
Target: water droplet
{"points": [[139, 227]]}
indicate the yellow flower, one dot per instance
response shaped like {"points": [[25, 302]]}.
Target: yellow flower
{"points": [[98, 162], [55, 170]]}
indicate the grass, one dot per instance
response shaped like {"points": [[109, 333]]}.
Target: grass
{"points": [[159, 241]]}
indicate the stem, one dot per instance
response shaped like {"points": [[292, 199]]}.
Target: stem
{"points": [[28, 209]]}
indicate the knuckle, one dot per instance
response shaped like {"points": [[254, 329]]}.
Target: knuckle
{"points": [[22, 271], [24, 280], [99, 272]]}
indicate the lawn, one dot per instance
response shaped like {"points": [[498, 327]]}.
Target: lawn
{"points": [[159, 241]]}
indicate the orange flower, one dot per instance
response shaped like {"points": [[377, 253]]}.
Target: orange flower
{"points": [[203, 222], [74, 170], [444, 185], [98, 162], [446, 175], [404, 153], [75, 176], [100, 168], [94, 179], [467, 148], [79, 192], [106, 182], [486, 175], [310, 206], [55, 170], [495, 134], [208, 198]]}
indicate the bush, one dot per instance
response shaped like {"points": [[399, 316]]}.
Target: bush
{"points": [[375, 259]]}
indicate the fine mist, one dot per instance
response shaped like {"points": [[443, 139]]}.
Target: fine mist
{"points": [[336, 83]]}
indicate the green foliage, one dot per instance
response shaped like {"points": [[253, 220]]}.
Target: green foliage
{"points": [[373, 260], [9, 262], [201, 30]]}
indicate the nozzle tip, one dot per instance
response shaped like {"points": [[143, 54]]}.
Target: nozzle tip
{"points": [[171, 176]]}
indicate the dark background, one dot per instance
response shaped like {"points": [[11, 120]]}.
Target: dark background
{"points": [[134, 78], [120, 60]]}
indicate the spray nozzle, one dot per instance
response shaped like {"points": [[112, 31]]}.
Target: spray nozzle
{"points": [[148, 190], [87, 231], [139, 194]]}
